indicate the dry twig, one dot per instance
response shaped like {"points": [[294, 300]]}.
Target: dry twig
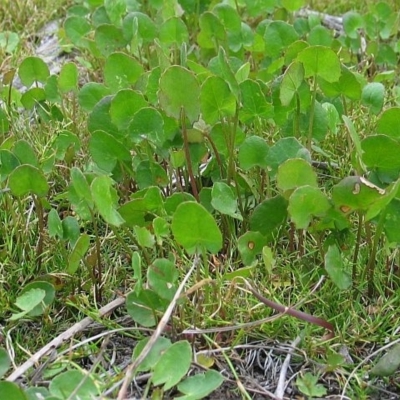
{"points": [[60, 339]]}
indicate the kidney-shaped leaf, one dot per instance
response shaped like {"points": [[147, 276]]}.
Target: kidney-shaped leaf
{"points": [[381, 151], [157, 349], [223, 199], [250, 245], [179, 89], [217, 100], [306, 202], [173, 365], [388, 123], [253, 153], [355, 193], [106, 150], [121, 71], [33, 69], [27, 179], [269, 215], [200, 386], [195, 228], [162, 276], [320, 61], [73, 384], [10, 390], [294, 173], [49, 296]]}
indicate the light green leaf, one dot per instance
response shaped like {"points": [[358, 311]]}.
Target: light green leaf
{"points": [[27, 179], [306, 202], [179, 90], [216, 100], [294, 173], [336, 269], [200, 385], [195, 229], [173, 365], [105, 199], [224, 200], [74, 384], [320, 61]]}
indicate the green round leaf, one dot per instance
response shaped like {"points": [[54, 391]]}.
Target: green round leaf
{"points": [[320, 61], [352, 22], [124, 105], [27, 179], [179, 90], [294, 173], [106, 151], [292, 79], [8, 41], [216, 99], [49, 295], [162, 276], [355, 193], [74, 382], [223, 199], [109, 38], [250, 245], [90, 94], [148, 124], [253, 152], [155, 353], [373, 95], [33, 69], [142, 306], [68, 79], [269, 215], [388, 123], [137, 23], [201, 385], [10, 390], [305, 203], [195, 229], [173, 365], [211, 31], [381, 151], [254, 103], [121, 71], [281, 151], [150, 174], [173, 31], [76, 29], [33, 97], [78, 252], [99, 118], [278, 36]]}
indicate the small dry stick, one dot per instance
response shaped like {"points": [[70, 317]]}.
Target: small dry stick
{"points": [[59, 340], [280, 389], [130, 371]]}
